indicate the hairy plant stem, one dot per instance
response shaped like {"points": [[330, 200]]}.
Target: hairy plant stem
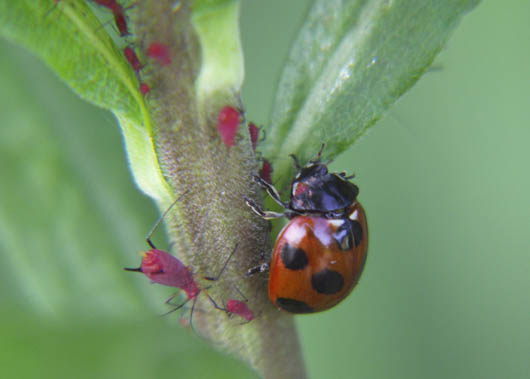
{"points": [[211, 219]]}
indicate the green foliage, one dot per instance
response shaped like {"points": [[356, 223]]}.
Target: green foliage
{"points": [[350, 62], [72, 42]]}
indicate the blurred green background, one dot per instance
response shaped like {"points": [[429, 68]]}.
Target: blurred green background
{"points": [[444, 178]]}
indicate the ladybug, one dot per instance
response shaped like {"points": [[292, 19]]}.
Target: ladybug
{"points": [[318, 257]]}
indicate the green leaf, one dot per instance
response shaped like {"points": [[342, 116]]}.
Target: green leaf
{"points": [[72, 41], [349, 63]]}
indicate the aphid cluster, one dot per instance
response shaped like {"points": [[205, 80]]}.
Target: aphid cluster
{"points": [[228, 121], [165, 269], [157, 51]]}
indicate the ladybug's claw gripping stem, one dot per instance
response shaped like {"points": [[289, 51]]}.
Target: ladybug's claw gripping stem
{"points": [[267, 215], [261, 268], [270, 190]]}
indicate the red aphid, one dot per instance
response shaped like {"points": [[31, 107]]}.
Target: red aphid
{"points": [[119, 15], [163, 268], [160, 53], [121, 23], [132, 58], [228, 122], [239, 308], [253, 130], [112, 5], [144, 89], [266, 171]]}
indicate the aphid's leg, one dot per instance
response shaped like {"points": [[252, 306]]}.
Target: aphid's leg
{"points": [[191, 313], [270, 190], [214, 278], [241, 294], [215, 304], [157, 223], [255, 270], [168, 301], [267, 215]]}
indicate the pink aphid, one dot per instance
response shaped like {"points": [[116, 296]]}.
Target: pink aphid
{"points": [[160, 53], [119, 15], [253, 130], [239, 308], [228, 122], [132, 58], [144, 89], [111, 5], [121, 23], [266, 171], [163, 268]]}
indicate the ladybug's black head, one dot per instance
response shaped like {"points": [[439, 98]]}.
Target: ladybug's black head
{"points": [[314, 189], [313, 169]]}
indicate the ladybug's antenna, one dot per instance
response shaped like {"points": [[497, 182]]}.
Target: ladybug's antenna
{"points": [[157, 223], [320, 152], [295, 161]]}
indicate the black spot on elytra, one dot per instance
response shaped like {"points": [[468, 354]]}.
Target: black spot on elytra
{"points": [[293, 258], [327, 282], [357, 230], [293, 306]]}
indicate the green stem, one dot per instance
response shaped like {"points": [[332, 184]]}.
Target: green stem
{"points": [[211, 217]]}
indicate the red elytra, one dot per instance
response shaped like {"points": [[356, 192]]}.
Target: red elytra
{"points": [[253, 130], [316, 262], [160, 53], [228, 122], [132, 58]]}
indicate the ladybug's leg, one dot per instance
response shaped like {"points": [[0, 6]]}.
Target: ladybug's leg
{"points": [[267, 215], [270, 190], [255, 270]]}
